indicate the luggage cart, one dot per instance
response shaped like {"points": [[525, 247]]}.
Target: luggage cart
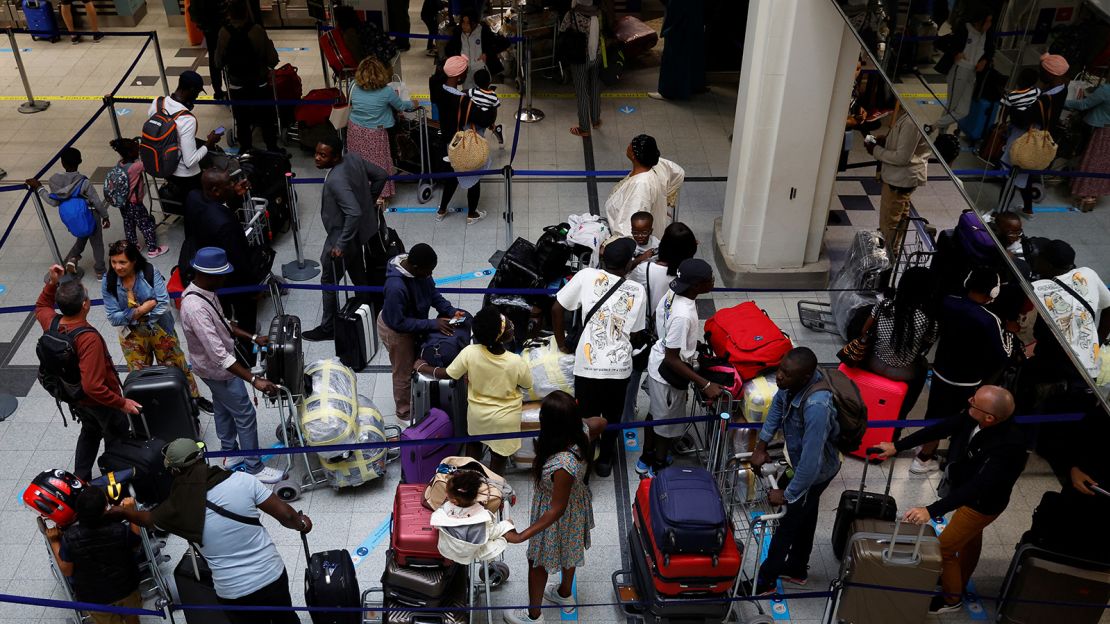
{"points": [[866, 271], [289, 433], [706, 441], [415, 126], [79, 617]]}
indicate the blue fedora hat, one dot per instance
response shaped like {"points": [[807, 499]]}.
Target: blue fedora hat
{"points": [[213, 261]]}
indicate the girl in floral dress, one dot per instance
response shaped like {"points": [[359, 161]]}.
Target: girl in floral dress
{"points": [[562, 514]]}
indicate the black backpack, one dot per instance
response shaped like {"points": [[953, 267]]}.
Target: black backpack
{"points": [[113, 279], [241, 59], [59, 363]]}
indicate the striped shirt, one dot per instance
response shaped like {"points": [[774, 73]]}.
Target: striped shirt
{"points": [[484, 100], [1022, 99]]}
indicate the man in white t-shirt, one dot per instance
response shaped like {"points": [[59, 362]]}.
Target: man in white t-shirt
{"points": [[603, 355], [678, 327], [1075, 300], [189, 87]]}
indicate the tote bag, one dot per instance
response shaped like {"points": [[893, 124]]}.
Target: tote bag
{"points": [[468, 150], [1035, 149]]}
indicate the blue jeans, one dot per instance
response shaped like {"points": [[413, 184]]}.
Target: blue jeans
{"points": [[236, 421]]}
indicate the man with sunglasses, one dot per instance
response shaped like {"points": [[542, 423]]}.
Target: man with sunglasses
{"points": [[985, 459]]}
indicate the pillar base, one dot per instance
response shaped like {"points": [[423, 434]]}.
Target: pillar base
{"points": [[811, 276]]}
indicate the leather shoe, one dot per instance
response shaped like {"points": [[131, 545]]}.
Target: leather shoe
{"points": [[318, 334]]}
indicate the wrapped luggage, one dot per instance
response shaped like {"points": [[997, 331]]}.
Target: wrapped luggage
{"points": [[551, 370], [329, 415], [357, 467]]}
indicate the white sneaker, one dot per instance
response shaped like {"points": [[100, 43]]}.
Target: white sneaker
{"points": [[520, 616], [919, 467], [551, 594], [269, 475]]}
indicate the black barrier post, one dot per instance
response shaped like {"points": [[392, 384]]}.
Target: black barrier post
{"points": [[528, 114], [46, 229], [508, 173], [30, 106], [300, 270], [110, 104], [161, 64]]}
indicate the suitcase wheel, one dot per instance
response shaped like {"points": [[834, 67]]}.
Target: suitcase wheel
{"points": [[287, 490], [425, 193], [286, 433], [498, 573]]}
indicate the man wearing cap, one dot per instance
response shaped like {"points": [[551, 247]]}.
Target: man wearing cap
{"points": [[1075, 299], [613, 309], [189, 87], [213, 356], [670, 370], [219, 512]]}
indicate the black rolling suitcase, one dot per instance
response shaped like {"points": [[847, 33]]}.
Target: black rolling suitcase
{"points": [[356, 336], [151, 481], [194, 587], [330, 581], [860, 504], [169, 411], [284, 355]]}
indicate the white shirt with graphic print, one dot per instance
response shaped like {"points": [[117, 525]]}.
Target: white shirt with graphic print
{"points": [[604, 349], [1071, 316]]}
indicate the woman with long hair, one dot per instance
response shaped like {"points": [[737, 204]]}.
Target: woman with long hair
{"points": [[372, 105], [562, 512], [901, 330]]}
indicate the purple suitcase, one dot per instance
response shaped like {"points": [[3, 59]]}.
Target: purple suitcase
{"points": [[419, 461]]}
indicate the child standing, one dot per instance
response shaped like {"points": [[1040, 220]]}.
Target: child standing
{"points": [[562, 513], [495, 378], [72, 183], [484, 96], [124, 188]]}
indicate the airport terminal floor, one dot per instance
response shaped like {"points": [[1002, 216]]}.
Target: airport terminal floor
{"points": [[550, 184]]}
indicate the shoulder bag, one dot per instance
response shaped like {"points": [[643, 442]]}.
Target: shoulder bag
{"points": [[640, 360], [468, 150], [668, 374], [573, 336], [1035, 149], [572, 44]]}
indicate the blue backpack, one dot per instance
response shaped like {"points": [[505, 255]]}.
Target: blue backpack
{"points": [[75, 211]]}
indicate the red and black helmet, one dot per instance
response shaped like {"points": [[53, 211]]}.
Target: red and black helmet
{"points": [[53, 494]]}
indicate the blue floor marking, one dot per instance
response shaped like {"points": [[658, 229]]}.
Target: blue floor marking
{"points": [[9, 49], [291, 49], [266, 458], [375, 538], [631, 440], [422, 209], [1039, 209], [123, 111], [2, 288], [462, 277], [572, 615]]}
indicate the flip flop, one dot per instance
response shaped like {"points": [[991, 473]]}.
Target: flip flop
{"points": [[578, 132]]}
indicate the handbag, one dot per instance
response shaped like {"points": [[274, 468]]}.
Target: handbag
{"points": [[341, 113], [1035, 149], [571, 48], [468, 150], [573, 336], [651, 334], [668, 374]]}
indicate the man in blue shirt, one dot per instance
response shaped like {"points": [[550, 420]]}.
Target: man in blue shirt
{"points": [[803, 410]]}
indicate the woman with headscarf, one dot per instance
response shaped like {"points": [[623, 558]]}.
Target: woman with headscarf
{"points": [[645, 188], [1044, 114], [682, 70], [583, 18], [455, 112]]}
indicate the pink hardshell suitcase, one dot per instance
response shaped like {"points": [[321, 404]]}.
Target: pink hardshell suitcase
{"points": [[884, 401], [413, 538]]}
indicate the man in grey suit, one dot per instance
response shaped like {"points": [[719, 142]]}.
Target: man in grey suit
{"points": [[348, 208]]}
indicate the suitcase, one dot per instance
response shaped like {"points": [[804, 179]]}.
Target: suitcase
{"points": [[193, 578], [448, 395], [420, 586], [914, 564], [330, 581], [981, 116], [860, 504], [287, 86], [311, 115], [284, 355], [356, 335], [682, 575], [169, 411], [337, 53], [635, 37], [687, 514], [1036, 574], [456, 596], [413, 539], [175, 287], [748, 338], [657, 609], [151, 481], [883, 398], [40, 17], [419, 461]]}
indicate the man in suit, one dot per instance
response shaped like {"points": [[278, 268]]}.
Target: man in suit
{"points": [[351, 217]]}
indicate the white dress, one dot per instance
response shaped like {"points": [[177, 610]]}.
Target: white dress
{"points": [[647, 192]]}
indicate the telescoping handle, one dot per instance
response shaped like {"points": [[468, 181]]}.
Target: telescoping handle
{"points": [[870, 452], [304, 542], [892, 557]]}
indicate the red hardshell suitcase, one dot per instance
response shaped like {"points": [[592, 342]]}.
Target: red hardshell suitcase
{"points": [[635, 37], [748, 338], [413, 538], [336, 52], [315, 114], [680, 575], [287, 86], [883, 398]]}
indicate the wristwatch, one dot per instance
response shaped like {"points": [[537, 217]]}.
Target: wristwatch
{"points": [[254, 378], [254, 338]]}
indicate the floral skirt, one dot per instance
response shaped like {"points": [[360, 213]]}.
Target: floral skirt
{"points": [[1096, 159], [372, 144]]}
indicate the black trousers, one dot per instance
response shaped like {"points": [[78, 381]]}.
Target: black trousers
{"points": [[275, 594], [792, 543], [473, 195], [249, 117], [97, 423], [211, 38], [331, 272], [602, 397], [429, 14], [398, 11]]}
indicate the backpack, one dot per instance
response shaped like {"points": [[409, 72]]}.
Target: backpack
{"points": [[117, 186], [113, 279], [59, 362], [851, 411], [76, 212], [553, 252], [974, 239], [747, 337], [241, 59], [160, 148]]}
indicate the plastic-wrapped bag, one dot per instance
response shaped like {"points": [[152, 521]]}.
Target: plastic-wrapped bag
{"points": [[551, 370], [529, 421], [758, 394], [330, 414], [589, 231], [357, 467]]}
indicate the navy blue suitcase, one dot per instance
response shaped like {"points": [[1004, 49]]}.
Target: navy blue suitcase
{"points": [[687, 513], [40, 17]]}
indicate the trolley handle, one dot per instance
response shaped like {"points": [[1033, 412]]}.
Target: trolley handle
{"points": [[891, 557]]}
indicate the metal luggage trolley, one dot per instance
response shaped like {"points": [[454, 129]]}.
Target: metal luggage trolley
{"points": [[707, 441], [416, 130], [311, 475]]}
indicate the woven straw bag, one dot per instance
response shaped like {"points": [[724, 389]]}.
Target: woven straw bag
{"points": [[468, 150], [1035, 149]]}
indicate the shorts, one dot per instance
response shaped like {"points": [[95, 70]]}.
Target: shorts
{"points": [[665, 402]]}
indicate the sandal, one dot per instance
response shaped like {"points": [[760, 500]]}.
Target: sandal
{"points": [[578, 132], [440, 216], [478, 216]]}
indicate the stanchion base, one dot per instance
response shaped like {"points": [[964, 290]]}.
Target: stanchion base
{"points": [[38, 106], [530, 115], [298, 273], [8, 403]]}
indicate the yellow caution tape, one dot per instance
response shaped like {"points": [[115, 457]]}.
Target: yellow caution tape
{"points": [[81, 98], [419, 96]]}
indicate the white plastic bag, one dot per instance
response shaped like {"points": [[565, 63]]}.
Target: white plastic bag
{"points": [[590, 231], [551, 370]]}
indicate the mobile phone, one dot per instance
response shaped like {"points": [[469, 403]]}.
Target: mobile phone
{"points": [[455, 322], [220, 130]]}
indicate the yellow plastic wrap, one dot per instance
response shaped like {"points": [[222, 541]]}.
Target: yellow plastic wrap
{"points": [[758, 394], [330, 414], [357, 467], [551, 370]]}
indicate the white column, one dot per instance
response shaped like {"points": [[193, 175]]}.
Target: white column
{"points": [[795, 86]]}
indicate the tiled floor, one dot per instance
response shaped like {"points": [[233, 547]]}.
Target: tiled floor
{"points": [[693, 134]]}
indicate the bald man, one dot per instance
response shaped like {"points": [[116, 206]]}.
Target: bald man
{"points": [[985, 459]]}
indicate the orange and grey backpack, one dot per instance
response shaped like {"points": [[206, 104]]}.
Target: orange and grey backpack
{"points": [[160, 148]]}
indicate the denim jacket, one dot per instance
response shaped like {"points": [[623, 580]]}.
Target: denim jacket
{"points": [[115, 304], [809, 431]]}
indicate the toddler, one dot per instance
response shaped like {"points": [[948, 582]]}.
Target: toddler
{"points": [[484, 96]]}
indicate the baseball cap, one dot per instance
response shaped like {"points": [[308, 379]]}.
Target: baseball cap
{"points": [[691, 272], [619, 253], [191, 80], [182, 453]]}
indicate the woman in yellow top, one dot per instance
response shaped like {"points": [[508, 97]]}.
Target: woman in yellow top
{"points": [[495, 377]]}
